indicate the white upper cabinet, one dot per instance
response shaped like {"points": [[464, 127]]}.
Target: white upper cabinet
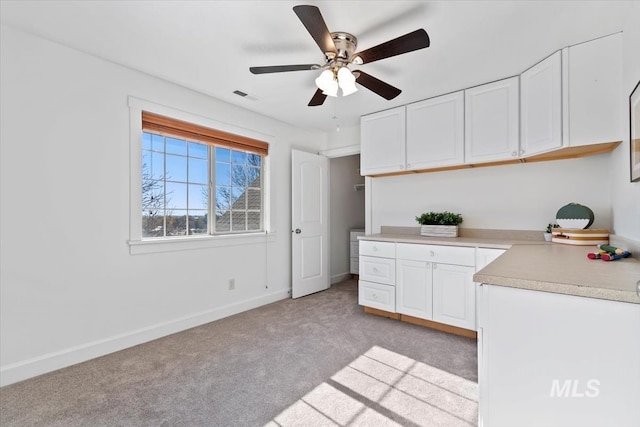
{"points": [[570, 99], [541, 107], [593, 80], [492, 122], [382, 139], [435, 132]]}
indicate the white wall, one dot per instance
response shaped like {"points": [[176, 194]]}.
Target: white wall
{"points": [[70, 290], [513, 197], [347, 210], [348, 137], [625, 195]]}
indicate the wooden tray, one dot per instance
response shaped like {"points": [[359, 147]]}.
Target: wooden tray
{"points": [[568, 236]]}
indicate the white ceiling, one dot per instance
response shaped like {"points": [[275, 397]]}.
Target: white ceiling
{"points": [[208, 46]]}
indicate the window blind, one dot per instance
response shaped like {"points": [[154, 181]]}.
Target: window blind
{"points": [[178, 129]]}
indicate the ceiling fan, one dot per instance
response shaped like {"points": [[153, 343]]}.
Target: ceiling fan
{"points": [[339, 51]]}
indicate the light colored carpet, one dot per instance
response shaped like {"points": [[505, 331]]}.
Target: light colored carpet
{"points": [[316, 358]]}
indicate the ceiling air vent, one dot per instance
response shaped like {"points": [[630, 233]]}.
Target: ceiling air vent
{"points": [[245, 95]]}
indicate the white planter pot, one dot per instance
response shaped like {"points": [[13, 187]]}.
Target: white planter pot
{"points": [[439, 230]]}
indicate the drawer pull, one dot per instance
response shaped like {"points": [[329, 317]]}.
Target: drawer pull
{"points": [[435, 266], [375, 270], [374, 296], [432, 253], [375, 248]]}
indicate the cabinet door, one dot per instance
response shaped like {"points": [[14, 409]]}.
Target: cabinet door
{"points": [[382, 142], [435, 132], [491, 121], [541, 106], [454, 295], [595, 112], [414, 288]]}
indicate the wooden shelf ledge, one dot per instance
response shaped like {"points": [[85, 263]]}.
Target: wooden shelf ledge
{"points": [[560, 154]]}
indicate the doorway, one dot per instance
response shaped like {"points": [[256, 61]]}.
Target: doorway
{"points": [[347, 212]]}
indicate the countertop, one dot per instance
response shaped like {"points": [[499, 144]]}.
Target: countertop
{"points": [[481, 242], [543, 266], [564, 269]]}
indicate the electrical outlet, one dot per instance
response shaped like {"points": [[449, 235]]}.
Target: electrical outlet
{"points": [[232, 284]]}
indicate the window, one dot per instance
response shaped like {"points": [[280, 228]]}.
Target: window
{"points": [[198, 181]]}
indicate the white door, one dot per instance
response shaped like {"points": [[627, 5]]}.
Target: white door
{"points": [[309, 223]]}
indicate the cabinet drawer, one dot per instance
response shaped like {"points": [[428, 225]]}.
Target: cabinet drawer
{"points": [[379, 270], [354, 252], [432, 253], [355, 266], [378, 249], [375, 295]]}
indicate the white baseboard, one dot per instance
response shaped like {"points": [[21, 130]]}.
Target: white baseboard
{"points": [[337, 278], [29, 368]]}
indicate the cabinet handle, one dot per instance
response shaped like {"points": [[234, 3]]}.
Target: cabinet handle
{"points": [[435, 266], [408, 165], [375, 248], [432, 253], [428, 265], [514, 154], [375, 270], [401, 166], [521, 152], [374, 296]]}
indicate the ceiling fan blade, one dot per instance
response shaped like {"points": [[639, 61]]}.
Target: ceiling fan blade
{"points": [[317, 99], [283, 68], [314, 23], [383, 89], [418, 39]]}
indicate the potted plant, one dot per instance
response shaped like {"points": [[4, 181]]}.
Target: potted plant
{"points": [[548, 232], [439, 224]]}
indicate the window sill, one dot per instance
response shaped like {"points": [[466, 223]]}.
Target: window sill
{"points": [[205, 242]]}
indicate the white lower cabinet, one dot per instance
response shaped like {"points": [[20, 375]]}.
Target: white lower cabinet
{"points": [[377, 267], [441, 291], [454, 295], [414, 288], [547, 359], [354, 251], [376, 295], [378, 270]]}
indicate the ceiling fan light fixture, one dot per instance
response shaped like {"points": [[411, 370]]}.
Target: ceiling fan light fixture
{"points": [[332, 89], [347, 81], [327, 83]]}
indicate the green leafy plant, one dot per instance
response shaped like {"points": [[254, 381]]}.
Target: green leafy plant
{"points": [[551, 226], [439, 218]]}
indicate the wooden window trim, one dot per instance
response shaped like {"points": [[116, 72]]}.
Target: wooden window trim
{"points": [[178, 129]]}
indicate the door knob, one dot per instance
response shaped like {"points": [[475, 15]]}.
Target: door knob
{"points": [[298, 231]]}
